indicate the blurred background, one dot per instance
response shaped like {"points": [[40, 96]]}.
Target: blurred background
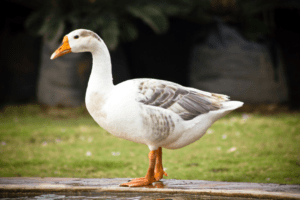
{"points": [[246, 49]]}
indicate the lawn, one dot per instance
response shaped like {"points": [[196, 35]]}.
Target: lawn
{"points": [[59, 142]]}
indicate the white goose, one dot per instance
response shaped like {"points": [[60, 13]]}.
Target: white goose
{"points": [[153, 112]]}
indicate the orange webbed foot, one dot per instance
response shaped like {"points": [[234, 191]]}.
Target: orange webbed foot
{"points": [[159, 175], [138, 182], [155, 171]]}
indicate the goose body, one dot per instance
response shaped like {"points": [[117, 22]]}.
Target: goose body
{"points": [[157, 113]]}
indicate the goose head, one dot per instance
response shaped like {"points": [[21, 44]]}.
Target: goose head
{"points": [[77, 41]]}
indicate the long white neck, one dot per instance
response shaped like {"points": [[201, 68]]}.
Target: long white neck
{"points": [[101, 80]]}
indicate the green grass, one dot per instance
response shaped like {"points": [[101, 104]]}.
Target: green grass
{"points": [[36, 142]]}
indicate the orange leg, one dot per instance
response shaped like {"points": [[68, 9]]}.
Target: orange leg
{"points": [[149, 178], [158, 171]]}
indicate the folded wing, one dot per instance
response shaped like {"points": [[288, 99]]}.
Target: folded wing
{"points": [[186, 102]]}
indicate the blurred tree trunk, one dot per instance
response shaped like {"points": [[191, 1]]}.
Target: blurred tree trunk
{"points": [[19, 56], [288, 37], [290, 44]]}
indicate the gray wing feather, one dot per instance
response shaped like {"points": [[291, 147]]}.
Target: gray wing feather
{"points": [[187, 103]]}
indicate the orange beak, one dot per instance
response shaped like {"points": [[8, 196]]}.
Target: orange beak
{"points": [[63, 49]]}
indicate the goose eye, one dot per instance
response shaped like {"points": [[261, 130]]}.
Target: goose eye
{"points": [[76, 37]]}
